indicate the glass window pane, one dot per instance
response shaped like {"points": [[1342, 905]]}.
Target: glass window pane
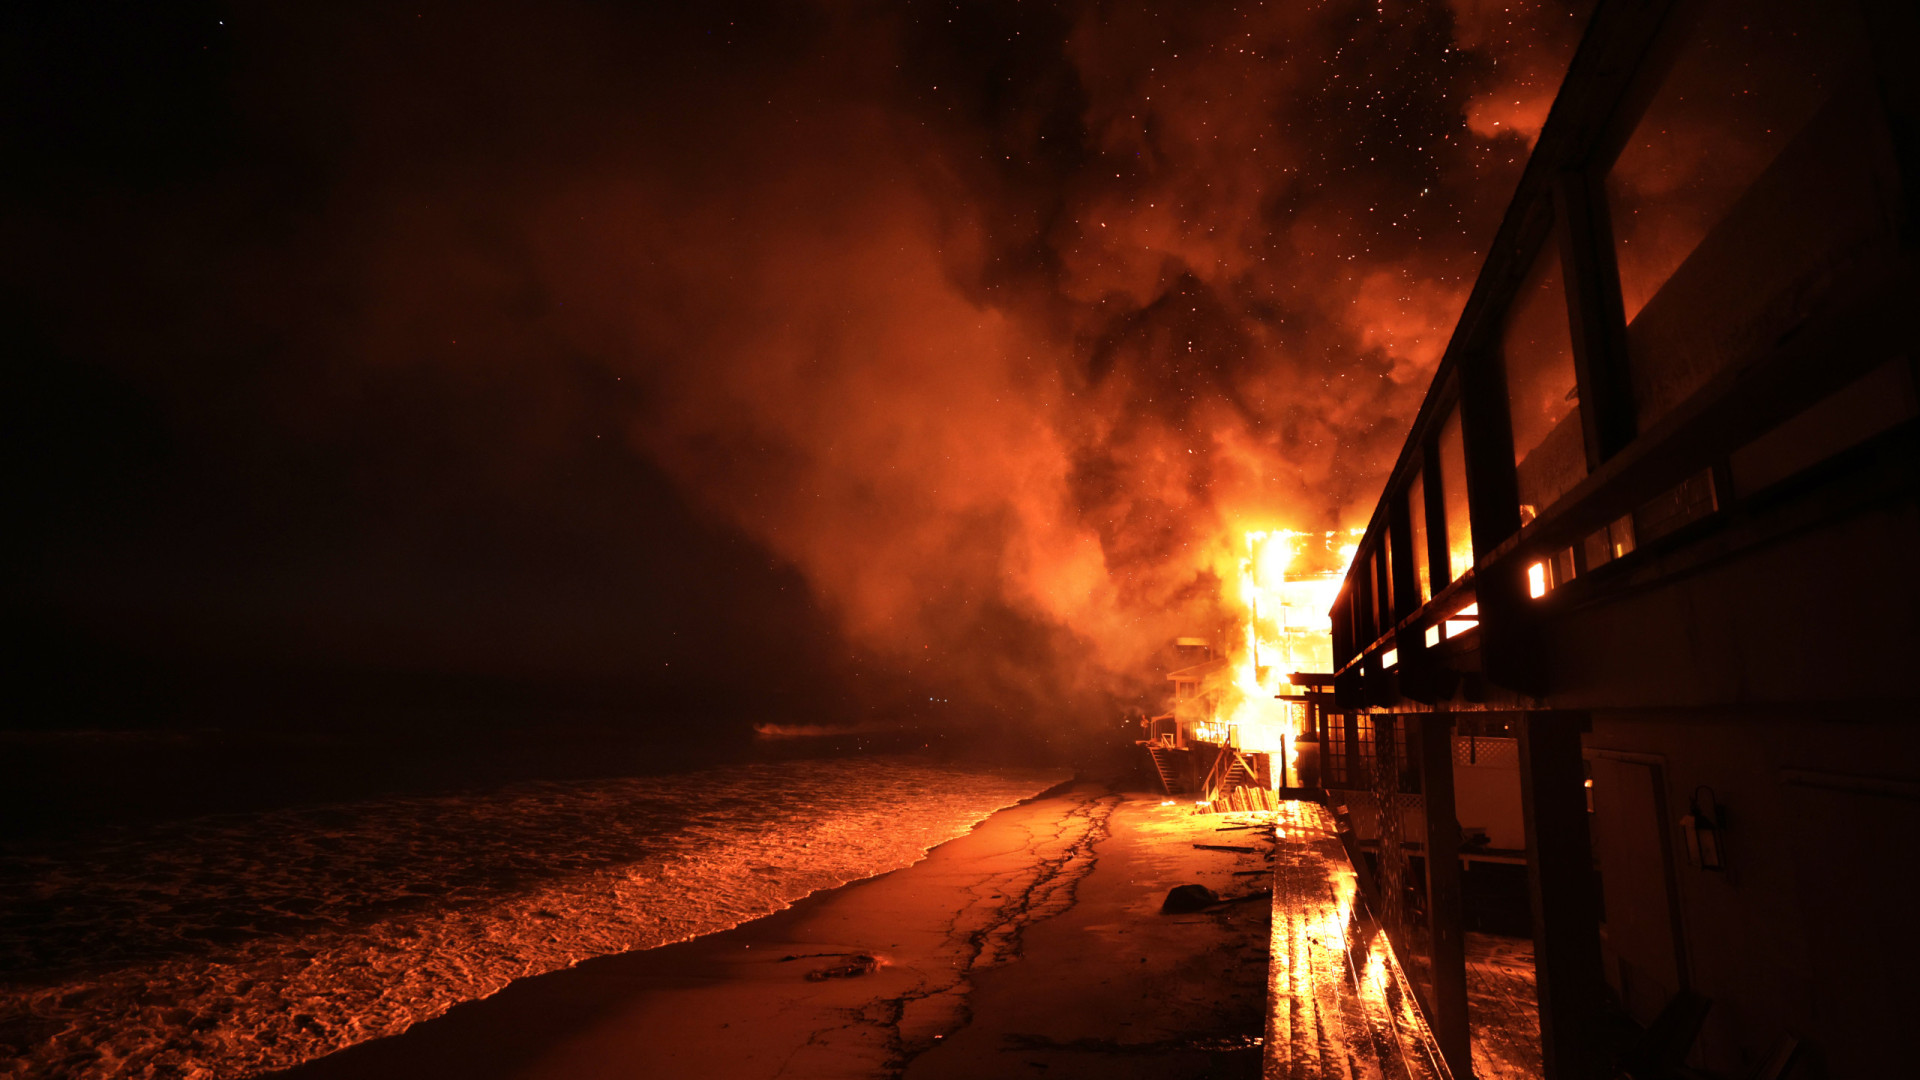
{"points": [[1417, 517], [1453, 491], [1549, 449], [1363, 609], [1373, 582], [1343, 646], [1387, 617], [1743, 87]]}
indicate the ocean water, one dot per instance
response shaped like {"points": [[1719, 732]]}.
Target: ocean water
{"points": [[227, 945]]}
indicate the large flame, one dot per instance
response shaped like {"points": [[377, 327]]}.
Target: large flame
{"points": [[1285, 629]]}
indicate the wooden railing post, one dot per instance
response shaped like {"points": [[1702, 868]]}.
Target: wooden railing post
{"points": [[1560, 886], [1445, 921]]}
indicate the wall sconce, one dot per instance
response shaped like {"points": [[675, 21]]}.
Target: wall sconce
{"points": [[1702, 826]]}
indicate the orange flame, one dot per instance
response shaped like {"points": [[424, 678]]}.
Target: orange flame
{"points": [[1285, 629]]}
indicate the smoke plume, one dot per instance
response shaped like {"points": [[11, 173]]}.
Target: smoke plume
{"points": [[998, 323]]}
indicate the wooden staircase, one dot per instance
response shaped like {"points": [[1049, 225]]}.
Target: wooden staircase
{"points": [[1230, 773], [1163, 764], [1239, 774]]}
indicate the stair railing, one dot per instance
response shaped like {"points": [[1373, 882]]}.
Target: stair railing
{"points": [[1217, 776]]}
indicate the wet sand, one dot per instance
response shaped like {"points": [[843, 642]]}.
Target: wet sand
{"points": [[1032, 946]]}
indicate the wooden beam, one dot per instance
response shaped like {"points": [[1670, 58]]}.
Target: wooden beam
{"points": [[1355, 773], [1561, 889], [1595, 319], [1445, 921]]}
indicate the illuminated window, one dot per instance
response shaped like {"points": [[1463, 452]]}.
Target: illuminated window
{"points": [[1563, 567], [1417, 519], [1453, 489], [1462, 621], [1549, 453], [1620, 536], [1389, 658], [1734, 109], [1537, 580], [1433, 635], [1363, 608]]}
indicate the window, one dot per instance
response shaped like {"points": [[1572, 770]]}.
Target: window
{"points": [[1383, 580], [1549, 451], [1363, 609], [1613, 542], [1549, 572], [1453, 491], [1343, 630], [1462, 621], [1563, 569], [1679, 506], [1726, 191], [1417, 517]]}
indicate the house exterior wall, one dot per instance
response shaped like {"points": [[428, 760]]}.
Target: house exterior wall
{"points": [[1694, 585]]}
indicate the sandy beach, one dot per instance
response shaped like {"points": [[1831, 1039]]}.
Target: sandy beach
{"points": [[1033, 945]]}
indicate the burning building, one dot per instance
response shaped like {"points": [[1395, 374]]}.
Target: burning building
{"points": [[1231, 736], [1650, 543]]}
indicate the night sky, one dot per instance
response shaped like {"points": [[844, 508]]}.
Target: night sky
{"points": [[794, 362]]}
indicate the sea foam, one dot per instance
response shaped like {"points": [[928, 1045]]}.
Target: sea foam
{"points": [[236, 944]]}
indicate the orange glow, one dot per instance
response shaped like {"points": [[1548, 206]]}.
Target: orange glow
{"points": [[1463, 620], [1283, 628], [943, 452], [1537, 580], [1460, 555]]}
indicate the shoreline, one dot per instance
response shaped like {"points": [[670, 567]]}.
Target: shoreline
{"points": [[921, 971]]}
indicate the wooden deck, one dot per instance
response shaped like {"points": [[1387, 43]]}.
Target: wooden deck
{"points": [[1503, 1007], [1338, 1004]]}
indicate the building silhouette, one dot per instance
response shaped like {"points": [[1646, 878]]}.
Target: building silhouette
{"points": [[1652, 544]]}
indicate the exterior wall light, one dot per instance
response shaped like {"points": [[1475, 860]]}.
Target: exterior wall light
{"points": [[1702, 826]]}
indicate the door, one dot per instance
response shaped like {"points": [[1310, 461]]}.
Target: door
{"points": [[1643, 948]]}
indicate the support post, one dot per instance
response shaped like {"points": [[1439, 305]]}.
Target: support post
{"points": [[1595, 319], [1355, 778], [1560, 887], [1445, 921]]}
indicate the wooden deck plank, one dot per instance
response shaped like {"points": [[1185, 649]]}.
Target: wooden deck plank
{"points": [[1504, 1008], [1338, 1004]]}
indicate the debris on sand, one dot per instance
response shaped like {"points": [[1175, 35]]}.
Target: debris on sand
{"points": [[856, 966], [1182, 899]]}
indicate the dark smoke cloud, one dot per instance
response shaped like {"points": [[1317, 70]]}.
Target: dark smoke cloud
{"points": [[993, 323]]}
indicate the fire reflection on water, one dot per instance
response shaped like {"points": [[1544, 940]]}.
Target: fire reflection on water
{"points": [[237, 944]]}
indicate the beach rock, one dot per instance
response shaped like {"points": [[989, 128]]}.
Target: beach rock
{"points": [[856, 966], [1182, 899]]}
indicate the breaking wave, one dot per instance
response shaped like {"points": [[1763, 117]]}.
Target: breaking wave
{"points": [[235, 944]]}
